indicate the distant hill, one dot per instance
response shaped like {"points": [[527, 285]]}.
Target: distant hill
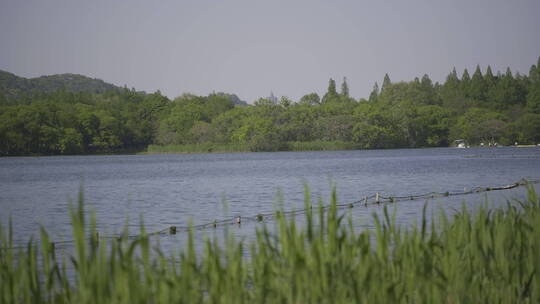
{"points": [[13, 87]]}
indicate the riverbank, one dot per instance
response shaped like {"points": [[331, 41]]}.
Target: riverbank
{"points": [[203, 148], [489, 255], [237, 148], [288, 146]]}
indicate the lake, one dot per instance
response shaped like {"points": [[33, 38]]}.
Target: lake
{"points": [[174, 189]]}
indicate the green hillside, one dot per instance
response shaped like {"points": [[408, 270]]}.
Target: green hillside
{"points": [[13, 87]]}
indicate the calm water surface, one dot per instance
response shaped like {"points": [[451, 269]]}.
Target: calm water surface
{"points": [[172, 189]]}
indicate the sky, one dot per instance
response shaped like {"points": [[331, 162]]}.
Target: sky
{"points": [[252, 47]]}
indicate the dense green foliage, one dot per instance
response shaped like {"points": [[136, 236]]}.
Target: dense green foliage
{"points": [[482, 108], [485, 256], [69, 123]]}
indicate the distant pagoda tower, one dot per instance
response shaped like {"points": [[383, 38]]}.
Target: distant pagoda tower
{"points": [[272, 98]]}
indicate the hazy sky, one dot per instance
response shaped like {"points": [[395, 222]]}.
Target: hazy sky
{"points": [[253, 47]]}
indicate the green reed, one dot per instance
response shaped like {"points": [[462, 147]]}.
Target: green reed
{"points": [[321, 145], [486, 255], [198, 148], [209, 147]]}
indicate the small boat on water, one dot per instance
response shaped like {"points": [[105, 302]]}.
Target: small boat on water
{"points": [[460, 143]]}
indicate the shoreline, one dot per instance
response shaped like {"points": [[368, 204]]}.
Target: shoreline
{"points": [[204, 149]]}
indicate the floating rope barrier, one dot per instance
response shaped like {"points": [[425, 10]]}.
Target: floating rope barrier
{"points": [[372, 200]]}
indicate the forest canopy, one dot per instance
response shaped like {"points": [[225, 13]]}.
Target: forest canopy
{"points": [[73, 114]]}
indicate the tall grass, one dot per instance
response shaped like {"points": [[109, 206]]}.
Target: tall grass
{"points": [[487, 256]]}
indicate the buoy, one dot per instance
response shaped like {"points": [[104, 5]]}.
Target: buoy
{"points": [[238, 220], [377, 198], [215, 224], [365, 201], [260, 217], [172, 230]]}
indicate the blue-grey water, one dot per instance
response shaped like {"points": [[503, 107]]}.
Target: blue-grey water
{"points": [[173, 189]]}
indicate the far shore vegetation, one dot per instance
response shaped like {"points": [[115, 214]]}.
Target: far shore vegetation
{"points": [[72, 114], [247, 147], [482, 256]]}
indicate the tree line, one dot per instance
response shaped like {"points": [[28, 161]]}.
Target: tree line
{"points": [[502, 108]]}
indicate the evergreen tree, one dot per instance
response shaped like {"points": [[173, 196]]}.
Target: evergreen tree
{"points": [[332, 87], [533, 92], [386, 82], [426, 82], [478, 85], [428, 90], [465, 83], [344, 88], [331, 94], [507, 91], [508, 73], [452, 79], [450, 91], [465, 77], [491, 82], [533, 73], [489, 78], [374, 93], [533, 98]]}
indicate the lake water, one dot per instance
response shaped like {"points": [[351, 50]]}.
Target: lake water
{"points": [[174, 189]]}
